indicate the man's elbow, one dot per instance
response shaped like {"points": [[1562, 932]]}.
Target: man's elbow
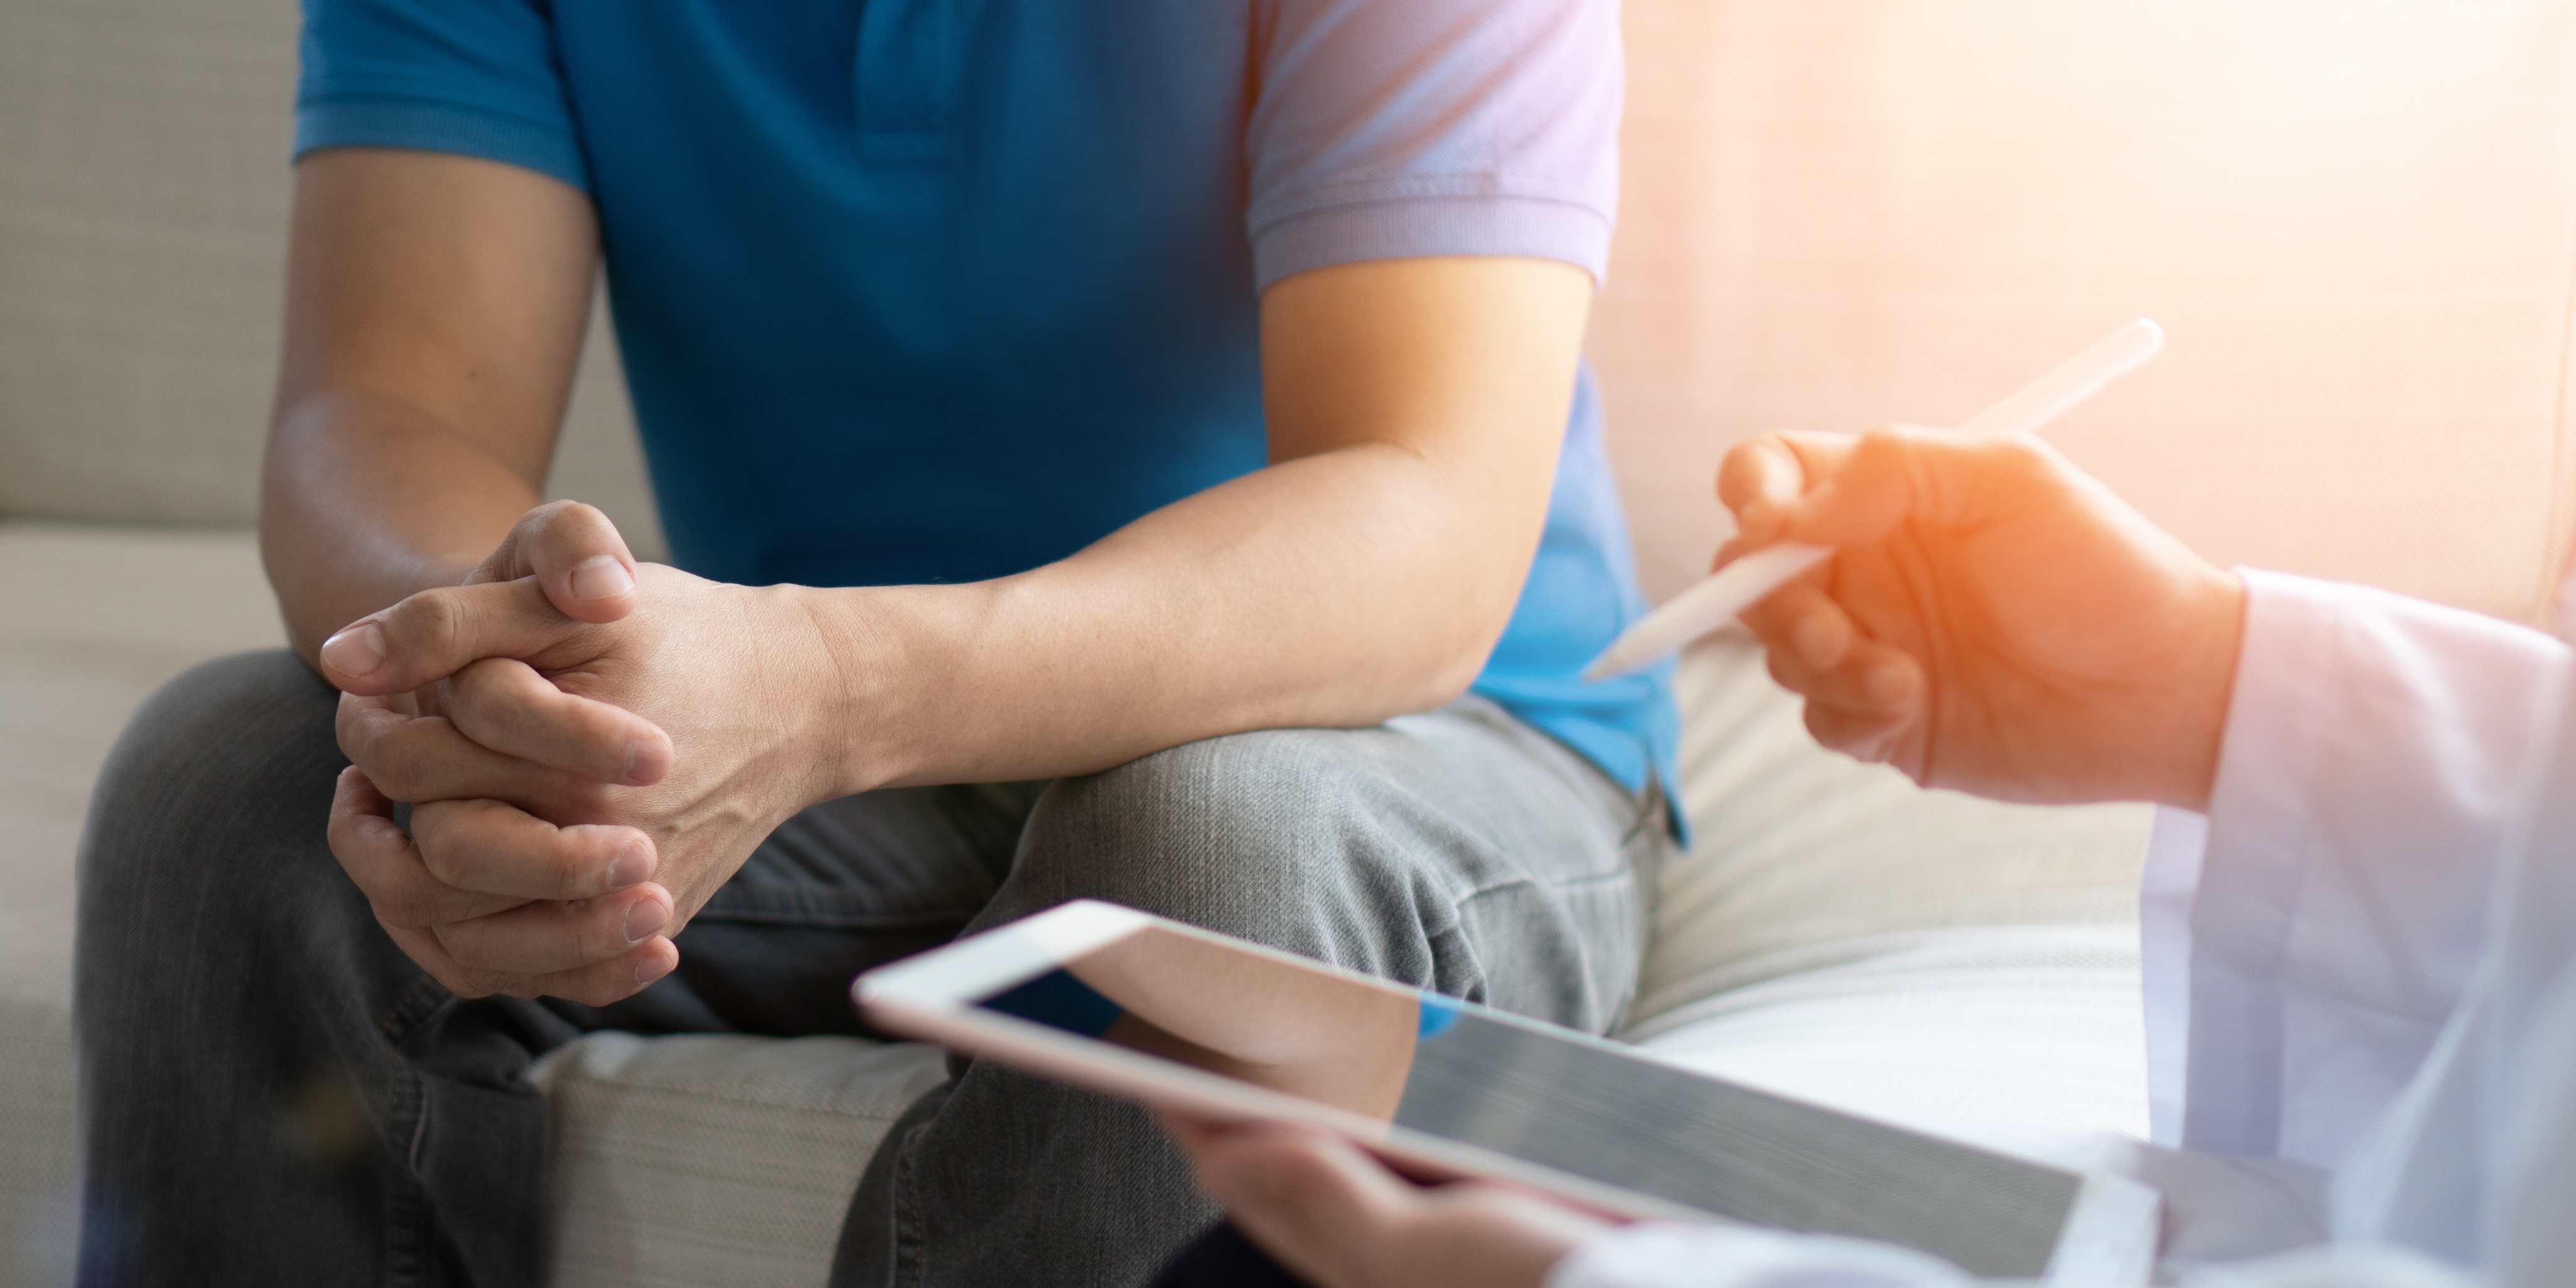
{"points": [[1448, 671]]}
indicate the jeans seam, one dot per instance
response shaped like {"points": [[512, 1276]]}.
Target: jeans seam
{"points": [[1525, 882], [398, 1020], [916, 1249], [407, 1243]]}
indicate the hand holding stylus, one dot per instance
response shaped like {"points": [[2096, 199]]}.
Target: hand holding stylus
{"points": [[1744, 582], [1994, 620]]}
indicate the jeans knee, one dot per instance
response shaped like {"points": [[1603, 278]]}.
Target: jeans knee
{"points": [[1286, 837], [215, 770]]}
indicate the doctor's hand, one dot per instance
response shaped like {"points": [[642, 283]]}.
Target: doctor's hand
{"points": [[580, 789], [1993, 620], [1325, 1209]]}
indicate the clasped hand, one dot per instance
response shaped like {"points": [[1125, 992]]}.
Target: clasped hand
{"points": [[590, 748]]}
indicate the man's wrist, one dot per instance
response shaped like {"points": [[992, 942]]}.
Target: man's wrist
{"points": [[832, 684], [884, 654]]}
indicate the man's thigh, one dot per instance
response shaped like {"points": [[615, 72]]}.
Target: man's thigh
{"points": [[1458, 849]]}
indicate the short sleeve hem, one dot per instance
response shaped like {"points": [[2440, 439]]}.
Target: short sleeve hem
{"points": [[1406, 227], [433, 125]]}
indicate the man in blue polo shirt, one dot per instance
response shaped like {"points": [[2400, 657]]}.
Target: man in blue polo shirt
{"points": [[1131, 450]]}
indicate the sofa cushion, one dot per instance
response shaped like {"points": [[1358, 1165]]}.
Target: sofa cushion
{"points": [[144, 184], [1804, 859], [713, 1160], [1979, 1031], [143, 189]]}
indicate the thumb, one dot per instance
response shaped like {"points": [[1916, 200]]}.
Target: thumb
{"points": [[577, 556], [438, 632]]}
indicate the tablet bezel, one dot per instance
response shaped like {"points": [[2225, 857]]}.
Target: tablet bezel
{"points": [[935, 996]]}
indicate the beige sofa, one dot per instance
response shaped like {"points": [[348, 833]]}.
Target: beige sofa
{"points": [[2358, 223]]}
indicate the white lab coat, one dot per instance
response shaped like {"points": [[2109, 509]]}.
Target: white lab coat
{"points": [[2361, 979]]}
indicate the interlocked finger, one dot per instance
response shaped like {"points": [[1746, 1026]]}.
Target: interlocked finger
{"points": [[429, 759], [595, 985], [503, 704], [386, 864], [614, 980], [492, 846], [548, 937]]}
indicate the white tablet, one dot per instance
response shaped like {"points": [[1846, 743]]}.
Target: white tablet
{"points": [[1128, 1004]]}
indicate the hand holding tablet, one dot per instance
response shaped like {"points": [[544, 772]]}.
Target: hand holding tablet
{"points": [[1134, 1006]]}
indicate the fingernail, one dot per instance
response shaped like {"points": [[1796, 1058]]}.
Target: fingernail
{"points": [[630, 866], [643, 919], [601, 577], [649, 969], [646, 761], [358, 650]]}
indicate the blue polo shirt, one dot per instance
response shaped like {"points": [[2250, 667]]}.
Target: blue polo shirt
{"points": [[942, 290]]}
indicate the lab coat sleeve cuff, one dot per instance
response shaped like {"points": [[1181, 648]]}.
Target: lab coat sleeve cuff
{"points": [[2371, 743]]}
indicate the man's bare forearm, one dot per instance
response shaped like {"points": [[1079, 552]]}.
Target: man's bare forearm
{"points": [[434, 311], [366, 500], [1416, 412], [1324, 592]]}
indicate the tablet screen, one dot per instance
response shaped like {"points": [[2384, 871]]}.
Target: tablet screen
{"points": [[1463, 1073]]}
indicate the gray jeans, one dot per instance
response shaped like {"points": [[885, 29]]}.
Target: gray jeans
{"points": [[273, 1094]]}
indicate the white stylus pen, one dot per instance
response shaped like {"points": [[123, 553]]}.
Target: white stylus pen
{"points": [[1742, 584]]}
